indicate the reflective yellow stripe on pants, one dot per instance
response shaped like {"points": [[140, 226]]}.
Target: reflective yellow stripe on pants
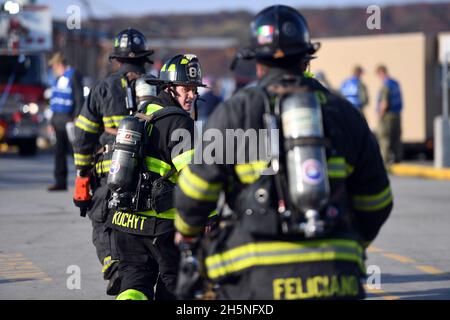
{"points": [[131, 294]]}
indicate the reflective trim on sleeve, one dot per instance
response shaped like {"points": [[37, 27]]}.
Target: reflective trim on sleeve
{"points": [[250, 172], [197, 188], [373, 202], [82, 159], [183, 159], [185, 228], [113, 121], [131, 294], [87, 125], [103, 166], [277, 253], [338, 168]]}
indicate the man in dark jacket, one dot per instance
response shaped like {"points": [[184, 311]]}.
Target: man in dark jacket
{"points": [[270, 248], [109, 101], [148, 256]]}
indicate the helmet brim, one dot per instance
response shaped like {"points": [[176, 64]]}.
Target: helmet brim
{"points": [[179, 83], [138, 55]]}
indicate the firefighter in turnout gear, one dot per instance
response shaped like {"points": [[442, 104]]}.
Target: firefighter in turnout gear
{"points": [[109, 101], [144, 234], [304, 212]]}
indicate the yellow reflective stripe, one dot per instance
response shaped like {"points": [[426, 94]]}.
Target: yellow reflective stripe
{"points": [[321, 97], [373, 202], [168, 214], [113, 121], [184, 61], [250, 172], [87, 121], [107, 260], [82, 126], [196, 188], [275, 253], [157, 166], [123, 82], [82, 159], [163, 68], [172, 67], [338, 168], [213, 213], [308, 74], [183, 159], [131, 294], [107, 263], [103, 166], [184, 228], [82, 156], [82, 162], [152, 108]]}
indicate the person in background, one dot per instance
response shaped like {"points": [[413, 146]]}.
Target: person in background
{"points": [[389, 108], [209, 99], [65, 102], [354, 90]]}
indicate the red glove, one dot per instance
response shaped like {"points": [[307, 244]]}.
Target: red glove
{"points": [[82, 196]]}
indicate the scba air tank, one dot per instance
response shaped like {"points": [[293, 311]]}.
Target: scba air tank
{"points": [[124, 170], [307, 177]]}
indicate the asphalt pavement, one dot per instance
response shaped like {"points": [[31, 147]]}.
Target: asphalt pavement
{"points": [[46, 250]]}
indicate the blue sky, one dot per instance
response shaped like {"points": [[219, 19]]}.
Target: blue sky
{"points": [[106, 8]]}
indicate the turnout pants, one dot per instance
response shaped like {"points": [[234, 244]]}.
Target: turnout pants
{"points": [[148, 265], [101, 234]]}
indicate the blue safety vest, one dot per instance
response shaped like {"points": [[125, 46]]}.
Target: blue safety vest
{"points": [[350, 90], [395, 96], [62, 96]]}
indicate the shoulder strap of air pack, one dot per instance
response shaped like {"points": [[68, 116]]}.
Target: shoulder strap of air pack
{"points": [[167, 111], [162, 113]]}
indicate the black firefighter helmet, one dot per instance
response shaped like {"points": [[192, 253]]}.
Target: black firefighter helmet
{"points": [[278, 32], [182, 69], [130, 44]]}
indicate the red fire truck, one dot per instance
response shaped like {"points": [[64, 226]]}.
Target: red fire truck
{"points": [[25, 38]]}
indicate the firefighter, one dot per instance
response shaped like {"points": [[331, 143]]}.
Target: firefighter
{"points": [[303, 214], [147, 253], [108, 102]]}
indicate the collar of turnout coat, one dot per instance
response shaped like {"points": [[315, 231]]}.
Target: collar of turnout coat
{"points": [[128, 67]]}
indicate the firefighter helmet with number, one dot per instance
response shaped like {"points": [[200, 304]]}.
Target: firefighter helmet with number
{"points": [[130, 44], [183, 69]]}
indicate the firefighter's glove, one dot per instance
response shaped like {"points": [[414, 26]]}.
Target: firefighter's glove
{"points": [[82, 196]]}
